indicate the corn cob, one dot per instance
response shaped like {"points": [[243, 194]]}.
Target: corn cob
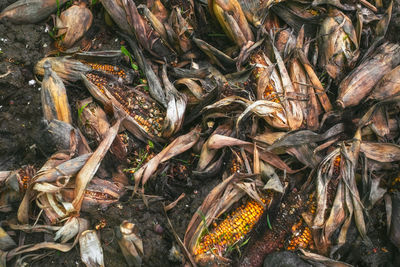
{"points": [[145, 111], [25, 175], [98, 195], [232, 229], [301, 237], [110, 69], [273, 239]]}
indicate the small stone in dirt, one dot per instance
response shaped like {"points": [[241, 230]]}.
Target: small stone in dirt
{"points": [[158, 229]]}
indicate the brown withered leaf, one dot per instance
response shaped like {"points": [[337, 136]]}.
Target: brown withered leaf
{"points": [[89, 169], [176, 147], [382, 152]]}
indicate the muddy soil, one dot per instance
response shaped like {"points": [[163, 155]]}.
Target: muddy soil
{"points": [[21, 120]]}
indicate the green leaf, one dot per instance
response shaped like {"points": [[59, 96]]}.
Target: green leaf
{"points": [[151, 144], [269, 223], [128, 54], [80, 110], [58, 7]]}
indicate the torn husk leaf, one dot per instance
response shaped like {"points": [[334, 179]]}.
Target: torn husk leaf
{"points": [[89, 169]]}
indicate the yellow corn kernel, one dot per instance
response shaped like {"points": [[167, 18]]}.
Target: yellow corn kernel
{"points": [[232, 229]]}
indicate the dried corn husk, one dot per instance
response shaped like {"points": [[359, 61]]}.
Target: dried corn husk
{"points": [[388, 86], [54, 96], [131, 245], [217, 202], [359, 83], [175, 108], [338, 44], [207, 155], [30, 11], [98, 193], [66, 68], [74, 23], [347, 201], [57, 170], [148, 38], [232, 20], [65, 247], [91, 250], [176, 147], [93, 121], [6, 241], [255, 10], [91, 166]]}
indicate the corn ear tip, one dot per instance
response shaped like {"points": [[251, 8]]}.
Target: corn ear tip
{"points": [[340, 104]]}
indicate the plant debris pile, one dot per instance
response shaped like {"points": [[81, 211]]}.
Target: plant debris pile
{"points": [[203, 133]]}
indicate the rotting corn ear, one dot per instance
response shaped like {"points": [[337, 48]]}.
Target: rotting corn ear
{"points": [[30, 11], [359, 83], [54, 96], [68, 69], [232, 20], [338, 44], [388, 86], [74, 23], [301, 237], [232, 229]]}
